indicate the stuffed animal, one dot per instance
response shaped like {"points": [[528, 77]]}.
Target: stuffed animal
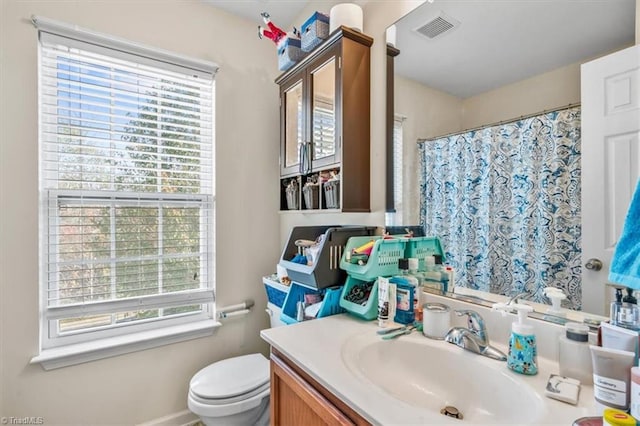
{"points": [[274, 33]]}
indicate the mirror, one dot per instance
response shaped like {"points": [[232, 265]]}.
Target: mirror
{"points": [[469, 64]]}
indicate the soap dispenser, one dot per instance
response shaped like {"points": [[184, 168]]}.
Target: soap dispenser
{"points": [[625, 313], [555, 312], [523, 352]]}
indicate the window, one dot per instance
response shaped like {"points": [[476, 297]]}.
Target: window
{"points": [[395, 218], [126, 187]]}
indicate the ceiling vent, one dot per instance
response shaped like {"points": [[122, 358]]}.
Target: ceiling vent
{"points": [[438, 26]]}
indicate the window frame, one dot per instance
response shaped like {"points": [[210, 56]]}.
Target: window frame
{"points": [[60, 349]]}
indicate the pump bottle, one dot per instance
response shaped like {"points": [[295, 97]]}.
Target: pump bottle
{"points": [[523, 352]]}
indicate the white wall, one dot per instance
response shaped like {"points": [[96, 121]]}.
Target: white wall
{"points": [[428, 113], [145, 385]]}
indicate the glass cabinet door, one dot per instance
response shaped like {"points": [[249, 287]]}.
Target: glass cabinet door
{"points": [[293, 128], [323, 113]]}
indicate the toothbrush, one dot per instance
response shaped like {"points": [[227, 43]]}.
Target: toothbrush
{"points": [[398, 333], [390, 330]]}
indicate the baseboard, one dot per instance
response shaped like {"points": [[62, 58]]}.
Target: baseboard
{"points": [[182, 418]]}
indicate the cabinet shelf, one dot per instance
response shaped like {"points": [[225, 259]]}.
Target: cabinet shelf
{"points": [[325, 124]]}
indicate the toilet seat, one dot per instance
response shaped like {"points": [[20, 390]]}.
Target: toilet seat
{"points": [[230, 386]]}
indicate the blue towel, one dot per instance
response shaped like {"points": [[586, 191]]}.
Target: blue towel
{"points": [[625, 265]]}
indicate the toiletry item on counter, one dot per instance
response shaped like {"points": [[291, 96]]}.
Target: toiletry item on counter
{"points": [[413, 263], [563, 389], [635, 392], [629, 298], [613, 417], [625, 314], [624, 339], [523, 352], [404, 301], [555, 312], [392, 300], [611, 374], [574, 355], [406, 286], [436, 320], [383, 301]]}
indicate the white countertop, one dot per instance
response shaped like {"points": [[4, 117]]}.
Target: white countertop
{"points": [[318, 348]]}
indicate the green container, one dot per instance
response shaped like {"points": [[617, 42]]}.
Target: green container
{"points": [[383, 260], [368, 311], [421, 247]]}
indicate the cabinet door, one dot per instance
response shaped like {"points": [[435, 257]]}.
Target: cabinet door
{"points": [[292, 124], [295, 402], [324, 111]]}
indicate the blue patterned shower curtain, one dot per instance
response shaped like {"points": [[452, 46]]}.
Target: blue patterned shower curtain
{"points": [[505, 201]]}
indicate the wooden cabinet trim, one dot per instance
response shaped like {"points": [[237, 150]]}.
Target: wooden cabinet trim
{"points": [[283, 362]]}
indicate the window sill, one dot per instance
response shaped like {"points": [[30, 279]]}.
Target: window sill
{"points": [[104, 348]]}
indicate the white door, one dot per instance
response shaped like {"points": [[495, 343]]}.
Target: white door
{"points": [[610, 94]]}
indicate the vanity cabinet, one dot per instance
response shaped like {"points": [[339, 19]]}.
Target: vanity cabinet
{"points": [[325, 125], [297, 399]]}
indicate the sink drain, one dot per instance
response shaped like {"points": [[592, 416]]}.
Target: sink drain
{"points": [[450, 411]]}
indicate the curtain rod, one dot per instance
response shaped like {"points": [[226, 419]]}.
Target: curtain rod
{"points": [[500, 123]]}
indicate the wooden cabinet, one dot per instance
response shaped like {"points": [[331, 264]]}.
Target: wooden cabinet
{"points": [[325, 126], [297, 399]]}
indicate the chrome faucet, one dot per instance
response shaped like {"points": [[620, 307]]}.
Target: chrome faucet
{"points": [[474, 338]]}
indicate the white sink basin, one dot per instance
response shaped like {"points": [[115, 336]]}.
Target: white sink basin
{"points": [[434, 374]]}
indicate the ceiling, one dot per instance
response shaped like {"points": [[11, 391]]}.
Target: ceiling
{"points": [[498, 42], [503, 41], [283, 12]]}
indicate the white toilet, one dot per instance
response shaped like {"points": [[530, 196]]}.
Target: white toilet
{"points": [[234, 391]]}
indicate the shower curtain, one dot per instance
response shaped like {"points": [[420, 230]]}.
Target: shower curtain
{"points": [[505, 201]]}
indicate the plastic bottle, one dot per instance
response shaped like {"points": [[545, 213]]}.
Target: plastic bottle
{"points": [[417, 297], [435, 276], [625, 313], [405, 293], [523, 352], [555, 312], [574, 356]]}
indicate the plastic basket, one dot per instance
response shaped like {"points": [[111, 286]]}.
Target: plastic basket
{"points": [[325, 270], [311, 196], [289, 53], [276, 292], [367, 311], [330, 302], [332, 194], [382, 262], [421, 247], [314, 31]]}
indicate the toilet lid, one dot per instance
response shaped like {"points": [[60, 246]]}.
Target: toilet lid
{"points": [[231, 377]]}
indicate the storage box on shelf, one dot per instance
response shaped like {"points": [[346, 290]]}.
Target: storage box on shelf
{"points": [[365, 304], [382, 262], [289, 53], [314, 31], [311, 196], [292, 193], [330, 302], [332, 194], [421, 247], [276, 292], [324, 270]]}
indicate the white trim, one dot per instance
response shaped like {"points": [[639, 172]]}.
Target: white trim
{"points": [[181, 418], [105, 348], [84, 35]]}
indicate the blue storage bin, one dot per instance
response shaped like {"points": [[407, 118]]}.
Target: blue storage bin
{"points": [[367, 310], [276, 292], [314, 31], [289, 53], [330, 302]]}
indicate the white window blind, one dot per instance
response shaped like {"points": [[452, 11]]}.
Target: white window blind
{"points": [[396, 217], [127, 189], [323, 127]]}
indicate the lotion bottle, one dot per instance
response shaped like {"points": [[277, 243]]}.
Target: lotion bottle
{"points": [[523, 352]]}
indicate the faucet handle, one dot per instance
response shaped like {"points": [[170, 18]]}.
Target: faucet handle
{"points": [[475, 323]]}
